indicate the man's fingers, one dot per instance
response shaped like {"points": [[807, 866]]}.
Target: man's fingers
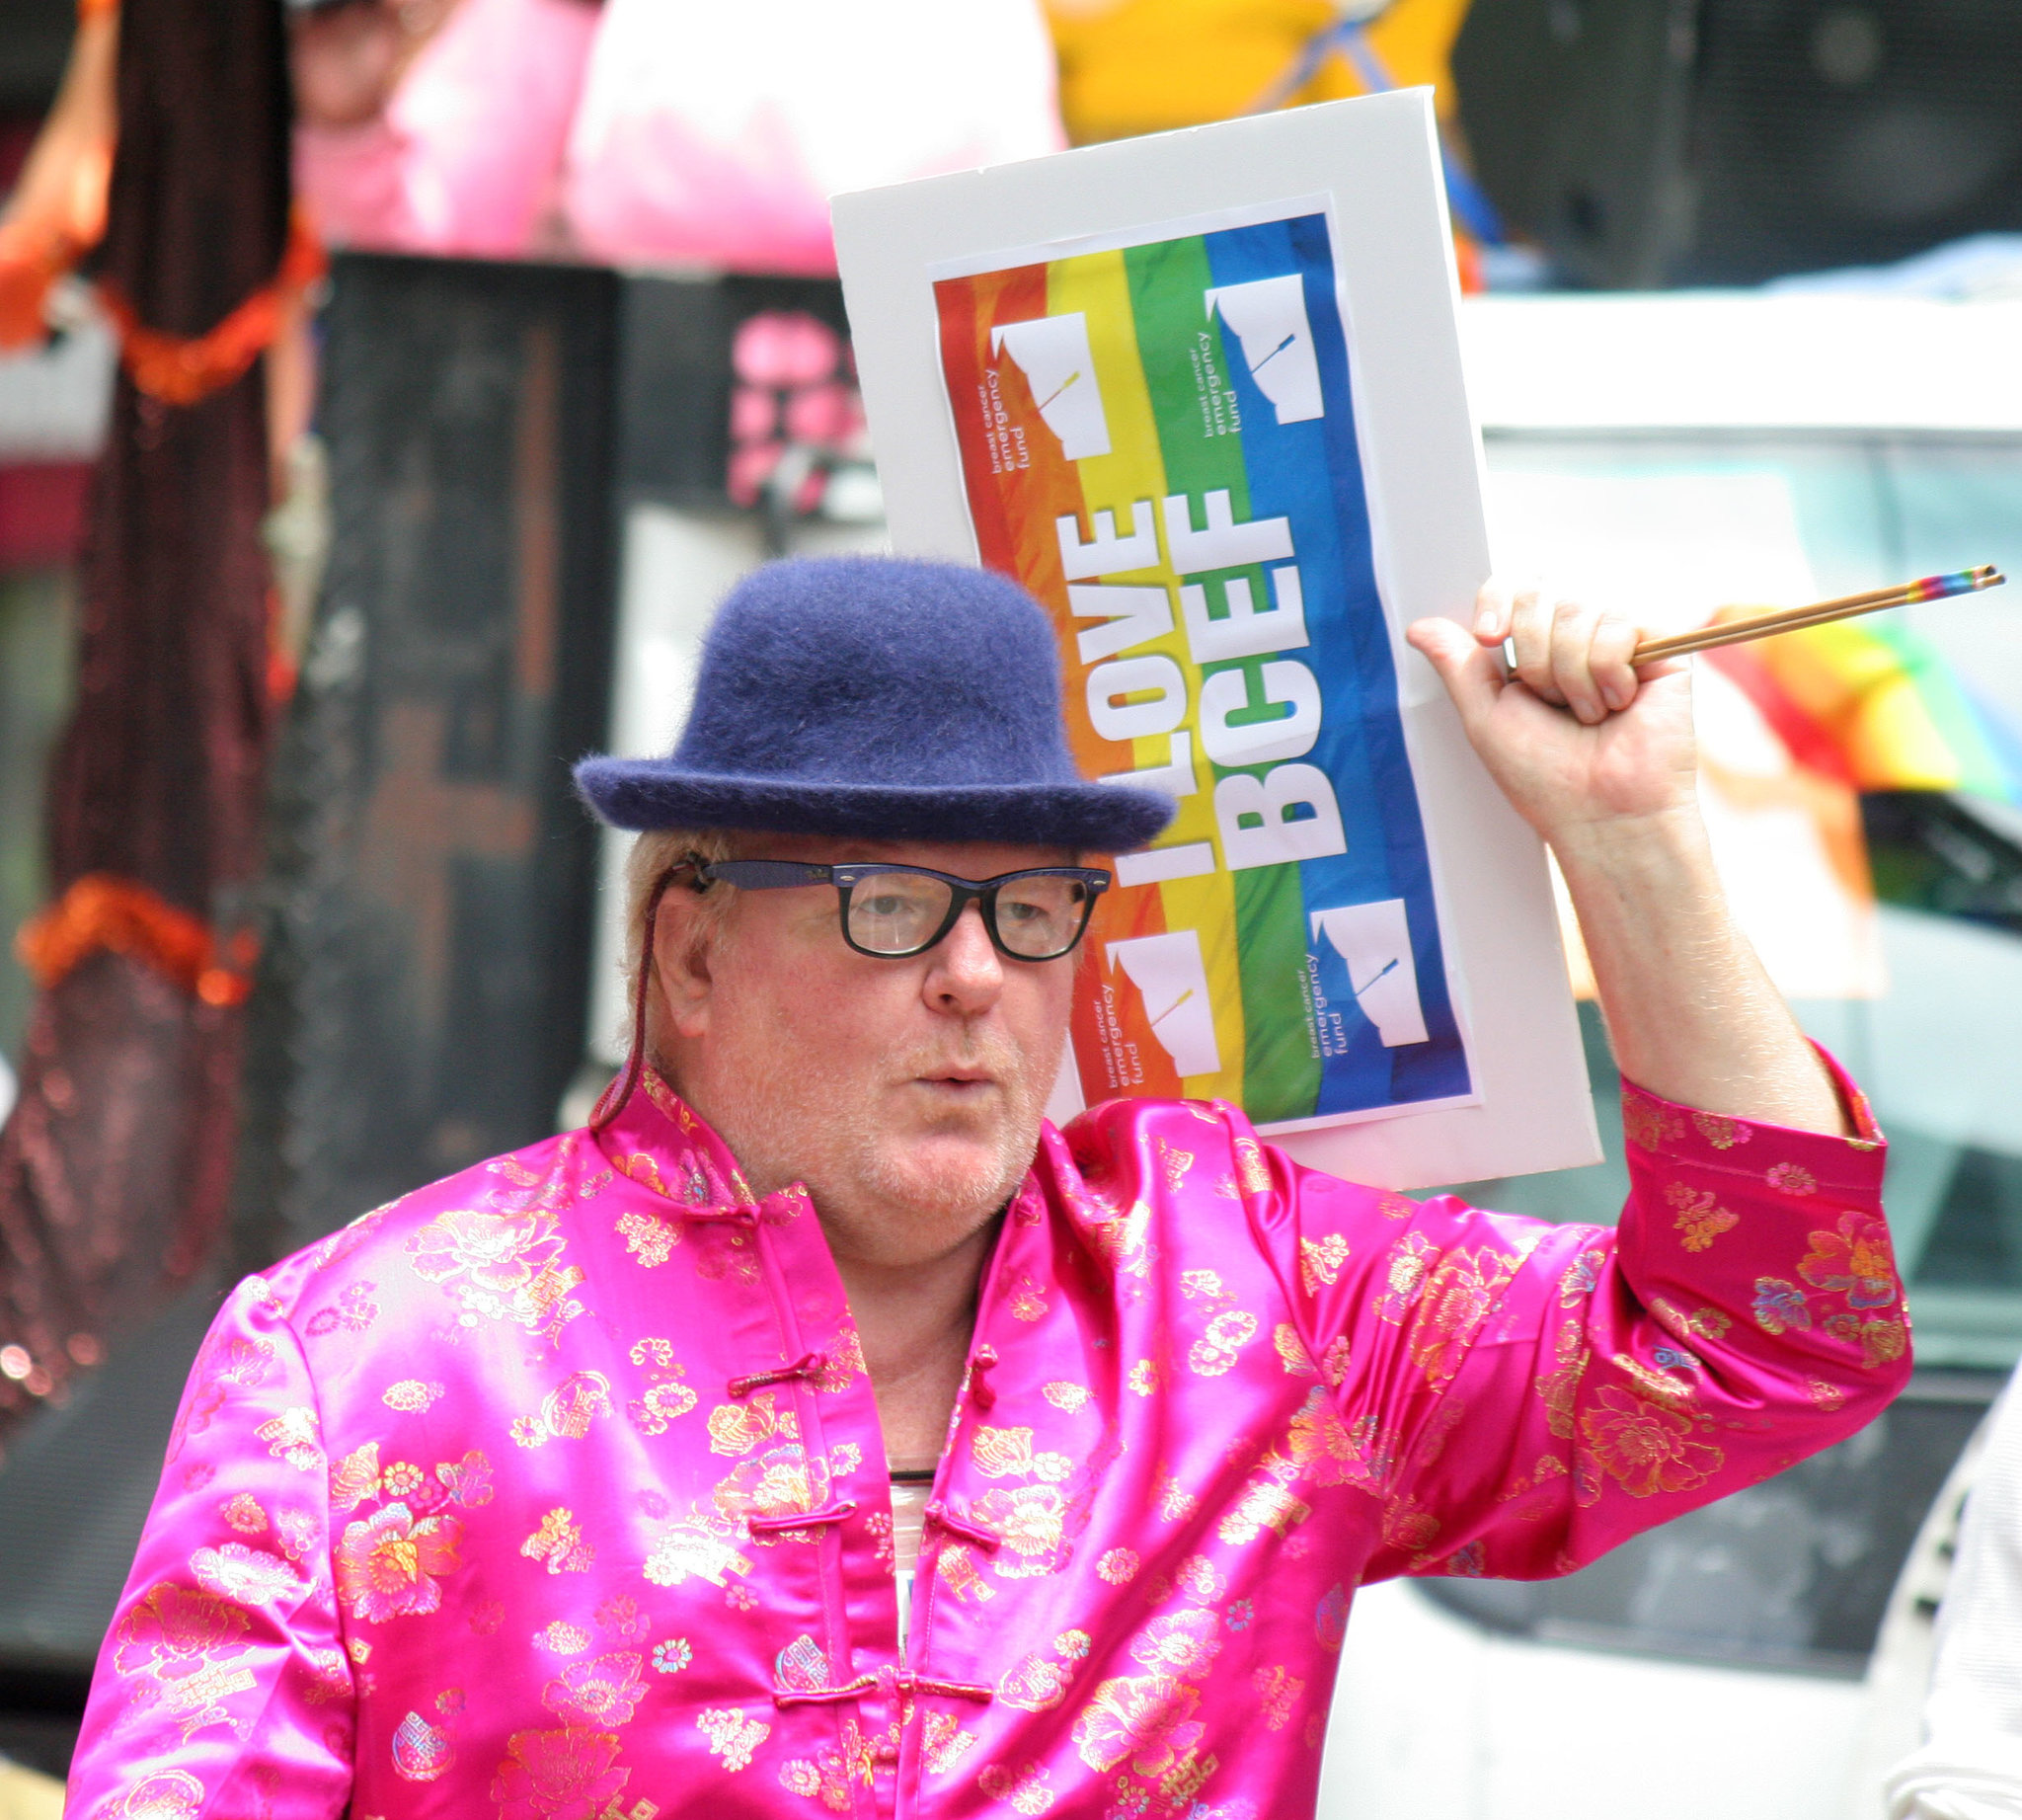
{"points": [[1570, 655], [1530, 636], [1492, 611], [1573, 633], [1614, 642]]}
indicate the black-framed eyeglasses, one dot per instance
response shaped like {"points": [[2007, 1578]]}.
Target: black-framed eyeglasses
{"points": [[893, 911]]}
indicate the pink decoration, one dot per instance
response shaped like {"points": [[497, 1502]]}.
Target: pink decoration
{"points": [[785, 348], [754, 414], [827, 414], [792, 369], [466, 155], [748, 470], [712, 136]]}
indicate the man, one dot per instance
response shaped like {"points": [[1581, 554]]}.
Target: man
{"points": [[561, 1487]]}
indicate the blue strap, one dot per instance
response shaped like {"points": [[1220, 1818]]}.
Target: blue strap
{"points": [[1466, 197]]}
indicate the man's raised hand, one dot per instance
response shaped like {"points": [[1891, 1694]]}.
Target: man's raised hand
{"points": [[1576, 739]]}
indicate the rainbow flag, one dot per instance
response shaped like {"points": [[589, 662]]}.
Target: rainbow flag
{"points": [[1873, 703], [1158, 441]]}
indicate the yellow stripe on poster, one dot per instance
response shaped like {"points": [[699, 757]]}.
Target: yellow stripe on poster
{"points": [[1129, 480]]}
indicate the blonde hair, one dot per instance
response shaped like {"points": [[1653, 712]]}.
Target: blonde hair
{"points": [[654, 854]]}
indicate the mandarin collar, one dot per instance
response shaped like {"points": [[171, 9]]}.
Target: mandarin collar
{"points": [[664, 1144]]}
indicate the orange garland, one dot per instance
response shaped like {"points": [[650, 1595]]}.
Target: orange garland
{"points": [[30, 264], [57, 212], [176, 369], [102, 911], [181, 369]]}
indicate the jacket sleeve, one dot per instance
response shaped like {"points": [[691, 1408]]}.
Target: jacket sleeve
{"points": [[222, 1686], [1523, 1396]]}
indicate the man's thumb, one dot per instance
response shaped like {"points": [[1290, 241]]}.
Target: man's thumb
{"points": [[1460, 662]]}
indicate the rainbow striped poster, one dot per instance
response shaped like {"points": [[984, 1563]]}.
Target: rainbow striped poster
{"points": [[1158, 439]]}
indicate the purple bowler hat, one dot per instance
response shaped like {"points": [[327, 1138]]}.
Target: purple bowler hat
{"points": [[885, 698]]}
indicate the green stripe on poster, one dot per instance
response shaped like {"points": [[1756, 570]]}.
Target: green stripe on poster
{"points": [[1181, 349], [1280, 1063]]}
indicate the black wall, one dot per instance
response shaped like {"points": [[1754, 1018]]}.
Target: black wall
{"points": [[432, 874]]}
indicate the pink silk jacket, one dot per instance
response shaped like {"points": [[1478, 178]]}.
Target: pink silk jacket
{"points": [[556, 1490]]}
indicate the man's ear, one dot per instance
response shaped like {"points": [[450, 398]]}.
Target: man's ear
{"points": [[684, 942]]}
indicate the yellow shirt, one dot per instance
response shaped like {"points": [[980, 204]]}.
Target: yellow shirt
{"points": [[1131, 66], [24, 1795]]}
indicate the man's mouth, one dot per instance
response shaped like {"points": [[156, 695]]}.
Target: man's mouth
{"points": [[962, 1080]]}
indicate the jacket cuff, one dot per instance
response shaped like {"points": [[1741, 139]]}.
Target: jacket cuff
{"points": [[1797, 1162]]}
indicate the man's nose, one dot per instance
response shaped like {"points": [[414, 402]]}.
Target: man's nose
{"points": [[967, 972]]}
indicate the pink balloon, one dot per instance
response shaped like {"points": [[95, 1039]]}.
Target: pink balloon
{"points": [[748, 469], [754, 414], [824, 413], [784, 348]]}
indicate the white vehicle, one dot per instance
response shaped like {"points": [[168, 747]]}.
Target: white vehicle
{"points": [[1738, 1662]]}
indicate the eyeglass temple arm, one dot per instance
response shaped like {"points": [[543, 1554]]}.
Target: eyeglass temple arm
{"points": [[762, 874]]}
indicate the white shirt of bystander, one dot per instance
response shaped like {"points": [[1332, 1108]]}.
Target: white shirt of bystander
{"points": [[1971, 1764]]}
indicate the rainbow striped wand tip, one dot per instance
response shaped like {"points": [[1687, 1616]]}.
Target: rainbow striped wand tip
{"points": [[1745, 626]]}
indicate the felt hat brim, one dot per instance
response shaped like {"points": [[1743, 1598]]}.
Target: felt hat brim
{"points": [[652, 793]]}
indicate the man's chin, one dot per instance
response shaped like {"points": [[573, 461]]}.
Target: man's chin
{"points": [[963, 1176]]}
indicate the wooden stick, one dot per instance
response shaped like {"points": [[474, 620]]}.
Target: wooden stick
{"points": [[1821, 612]]}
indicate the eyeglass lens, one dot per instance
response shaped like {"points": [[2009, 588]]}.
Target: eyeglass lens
{"points": [[899, 913]]}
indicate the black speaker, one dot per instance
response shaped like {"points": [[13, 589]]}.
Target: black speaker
{"points": [[1726, 141], [431, 881]]}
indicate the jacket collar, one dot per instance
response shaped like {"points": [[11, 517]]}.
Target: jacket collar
{"points": [[661, 1142]]}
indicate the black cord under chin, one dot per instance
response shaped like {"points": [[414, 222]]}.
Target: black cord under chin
{"points": [[620, 1091]]}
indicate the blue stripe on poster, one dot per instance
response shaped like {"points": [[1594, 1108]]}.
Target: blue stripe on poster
{"points": [[1309, 470]]}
